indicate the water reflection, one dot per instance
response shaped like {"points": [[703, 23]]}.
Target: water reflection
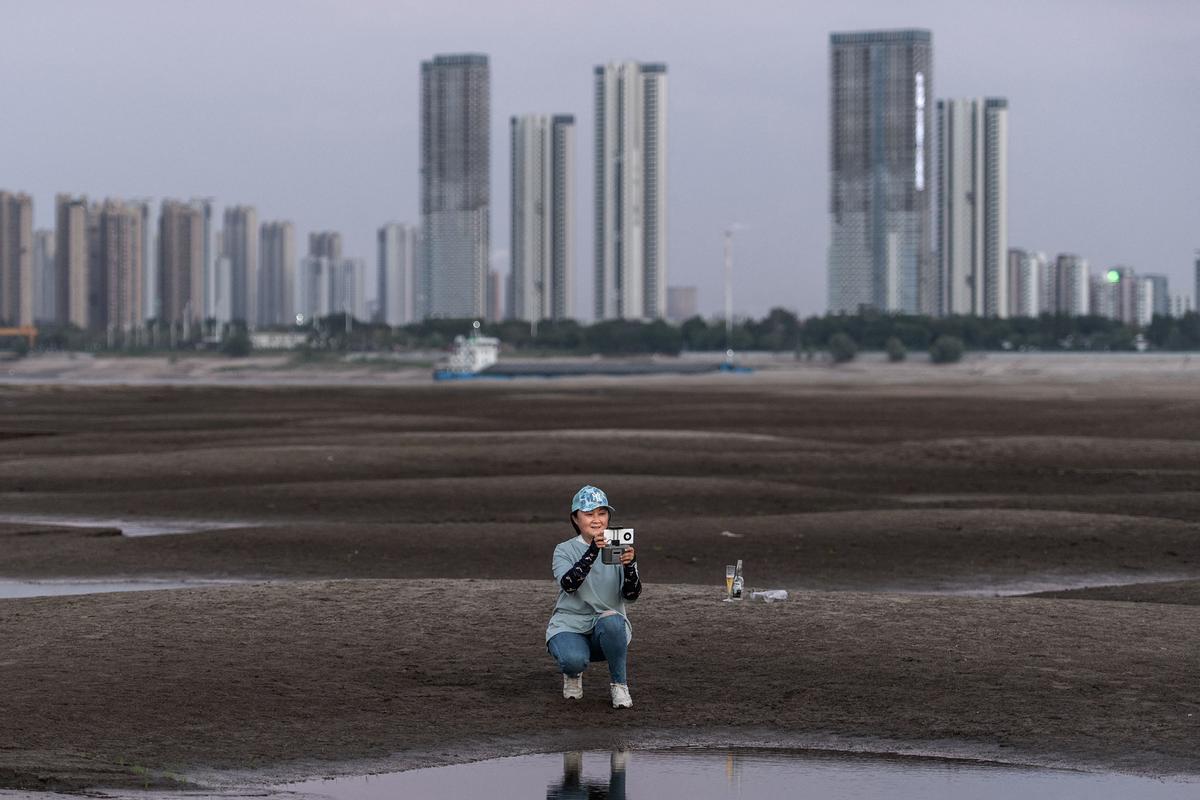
{"points": [[697, 774], [574, 787]]}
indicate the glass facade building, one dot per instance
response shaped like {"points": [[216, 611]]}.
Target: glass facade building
{"points": [[455, 185], [880, 253]]}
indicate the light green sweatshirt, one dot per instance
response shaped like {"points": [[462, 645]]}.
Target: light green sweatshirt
{"points": [[599, 596]]}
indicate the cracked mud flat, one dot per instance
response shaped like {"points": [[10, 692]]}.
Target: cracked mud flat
{"points": [[428, 649]]}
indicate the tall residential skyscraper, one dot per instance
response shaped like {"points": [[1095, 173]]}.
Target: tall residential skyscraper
{"points": [[16, 258], [880, 210], [221, 285], [455, 184], [239, 243], [143, 207], [312, 289], [543, 215], [71, 264], [1196, 295], [631, 191], [1114, 294], [1181, 303], [325, 287], [276, 266], [1025, 275], [210, 252], [44, 285], [1048, 288], [347, 288], [972, 206], [1147, 298], [1071, 285], [182, 277], [395, 289], [1160, 294], [117, 266], [325, 244]]}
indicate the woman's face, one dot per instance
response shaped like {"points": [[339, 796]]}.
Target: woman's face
{"points": [[592, 522]]}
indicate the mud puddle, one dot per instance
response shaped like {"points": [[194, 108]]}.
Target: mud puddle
{"points": [[721, 775]]}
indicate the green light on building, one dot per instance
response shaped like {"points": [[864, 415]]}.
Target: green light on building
{"points": [[1113, 276]]}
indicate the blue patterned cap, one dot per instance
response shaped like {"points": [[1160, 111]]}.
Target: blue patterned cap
{"points": [[589, 498]]}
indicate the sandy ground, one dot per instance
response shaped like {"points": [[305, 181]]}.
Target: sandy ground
{"points": [[880, 504]]}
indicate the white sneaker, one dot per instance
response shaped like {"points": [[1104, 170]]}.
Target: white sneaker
{"points": [[573, 687], [620, 695]]}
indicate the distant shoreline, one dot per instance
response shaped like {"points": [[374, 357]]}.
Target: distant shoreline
{"points": [[284, 369]]}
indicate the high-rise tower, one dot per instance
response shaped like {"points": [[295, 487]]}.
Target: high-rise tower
{"points": [[455, 184], [972, 206], [880, 212], [117, 266], [44, 291], [276, 266], [1160, 295], [239, 243], [1026, 279], [1070, 279], [543, 215], [395, 287], [631, 191], [210, 270], [181, 249], [16, 258], [325, 244], [71, 265], [1196, 295]]}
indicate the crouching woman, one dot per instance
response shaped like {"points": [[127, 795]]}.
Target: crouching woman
{"points": [[589, 621]]}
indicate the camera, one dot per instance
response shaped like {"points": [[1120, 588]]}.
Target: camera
{"points": [[616, 540]]}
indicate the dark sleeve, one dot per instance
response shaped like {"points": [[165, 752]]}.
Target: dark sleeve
{"points": [[573, 578], [631, 588]]}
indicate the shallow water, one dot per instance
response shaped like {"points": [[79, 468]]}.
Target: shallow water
{"points": [[10, 588], [142, 526], [722, 775]]}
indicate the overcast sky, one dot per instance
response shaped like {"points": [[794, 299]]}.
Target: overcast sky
{"points": [[309, 111]]}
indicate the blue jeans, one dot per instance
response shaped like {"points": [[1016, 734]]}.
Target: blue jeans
{"points": [[605, 642]]}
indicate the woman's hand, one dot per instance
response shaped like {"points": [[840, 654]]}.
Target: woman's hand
{"points": [[628, 556]]}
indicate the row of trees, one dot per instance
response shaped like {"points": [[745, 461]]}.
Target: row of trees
{"points": [[782, 331], [779, 331]]}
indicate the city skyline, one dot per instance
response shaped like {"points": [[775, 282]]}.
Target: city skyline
{"points": [[354, 169]]}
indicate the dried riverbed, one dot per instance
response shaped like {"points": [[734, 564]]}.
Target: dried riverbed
{"points": [[428, 649]]}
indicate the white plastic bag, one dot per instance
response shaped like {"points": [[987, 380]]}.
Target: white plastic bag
{"points": [[770, 595]]}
